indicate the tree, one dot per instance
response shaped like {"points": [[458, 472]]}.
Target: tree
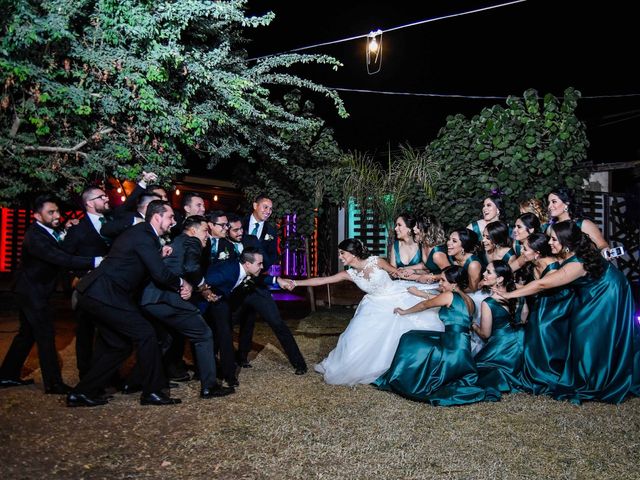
{"points": [[94, 88], [524, 149]]}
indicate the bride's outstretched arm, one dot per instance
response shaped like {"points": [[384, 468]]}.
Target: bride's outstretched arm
{"points": [[387, 267], [314, 282], [442, 300]]}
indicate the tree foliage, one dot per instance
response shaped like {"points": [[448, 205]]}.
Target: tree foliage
{"points": [[523, 149], [94, 88]]}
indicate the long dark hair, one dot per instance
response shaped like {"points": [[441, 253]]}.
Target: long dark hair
{"points": [[538, 242], [566, 195], [575, 240], [457, 276], [468, 240], [530, 221], [498, 233], [355, 247], [496, 198], [503, 270]]}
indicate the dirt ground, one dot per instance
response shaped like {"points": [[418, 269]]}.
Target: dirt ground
{"points": [[283, 426]]}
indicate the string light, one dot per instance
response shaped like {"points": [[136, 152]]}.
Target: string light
{"points": [[123, 198], [215, 198], [177, 191], [374, 52], [119, 190]]}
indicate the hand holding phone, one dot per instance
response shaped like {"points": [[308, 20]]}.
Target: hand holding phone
{"points": [[614, 252]]}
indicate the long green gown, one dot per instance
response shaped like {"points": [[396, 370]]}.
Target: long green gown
{"points": [[500, 361], [431, 265], [546, 338], [603, 361], [436, 367]]}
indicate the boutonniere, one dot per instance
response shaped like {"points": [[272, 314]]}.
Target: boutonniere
{"points": [[268, 237], [223, 255]]}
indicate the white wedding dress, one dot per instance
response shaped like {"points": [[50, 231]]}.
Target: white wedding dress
{"points": [[366, 348]]}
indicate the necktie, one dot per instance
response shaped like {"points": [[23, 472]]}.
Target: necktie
{"points": [[255, 229], [214, 247], [236, 249], [57, 236]]}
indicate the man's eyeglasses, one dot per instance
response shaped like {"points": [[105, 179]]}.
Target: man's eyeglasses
{"points": [[223, 225], [101, 197]]}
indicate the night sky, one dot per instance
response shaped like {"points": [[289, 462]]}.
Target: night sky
{"points": [[543, 45]]}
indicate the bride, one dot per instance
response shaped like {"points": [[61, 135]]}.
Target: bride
{"points": [[366, 348]]}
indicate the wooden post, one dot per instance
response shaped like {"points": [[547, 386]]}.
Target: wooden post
{"points": [[312, 297]]}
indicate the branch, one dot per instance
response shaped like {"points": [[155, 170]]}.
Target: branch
{"points": [[15, 127], [73, 150]]}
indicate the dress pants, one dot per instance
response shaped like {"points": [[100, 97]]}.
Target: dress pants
{"points": [[218, 317], [189, 323], [263, 303], [118, 330], [36, 326]]}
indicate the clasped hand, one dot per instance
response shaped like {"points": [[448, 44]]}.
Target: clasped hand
{"points": [[185, 290]]}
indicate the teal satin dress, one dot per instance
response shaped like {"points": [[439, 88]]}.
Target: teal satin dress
{"points": [[431, 265], [417, 258], [437, 367], [546, 338], [603, 362], [500, 361]]}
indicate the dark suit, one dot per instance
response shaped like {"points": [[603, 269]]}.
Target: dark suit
{"points": [[169, 308], [36, 281], [83, 239], [111, 294], [223, 277], [268, 241]]}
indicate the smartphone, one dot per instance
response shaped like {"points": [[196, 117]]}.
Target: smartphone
{"points": [[614, 252]]}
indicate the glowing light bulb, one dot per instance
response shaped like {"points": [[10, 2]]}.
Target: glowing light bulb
{"points": [[119, 190], [177, 191], [123, 198], [215, 198], [373, 46]]}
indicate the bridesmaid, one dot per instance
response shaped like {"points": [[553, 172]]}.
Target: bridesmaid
{"points": [[406, 251], [562, 208], [500, 361], [525, 225], [603, 362], [462, 247], [429, 234], [546, 334], [492, 211], [425, 362], [535, 206], [497, 244]]}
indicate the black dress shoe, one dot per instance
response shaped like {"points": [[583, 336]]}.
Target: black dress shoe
{"points": [[217, 391], [58, 389], [10, 382], [233, 382], [129, 389], [301, 370], [82, 400], [158, 398], [245, 364]]}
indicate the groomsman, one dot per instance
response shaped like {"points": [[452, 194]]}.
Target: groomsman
{"points": [[111, 292], [170, 309], [85, 239], [257, 225], [42, 258], [240, 284]]}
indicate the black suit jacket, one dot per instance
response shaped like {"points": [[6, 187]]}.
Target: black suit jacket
{"points": [[133, 258], [223, 276], [184, 261], [42, 258], [268, 241], [224, 251], [84, 240]]}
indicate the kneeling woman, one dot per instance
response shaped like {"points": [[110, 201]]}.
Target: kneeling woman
{"points": [[437, 367]]}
